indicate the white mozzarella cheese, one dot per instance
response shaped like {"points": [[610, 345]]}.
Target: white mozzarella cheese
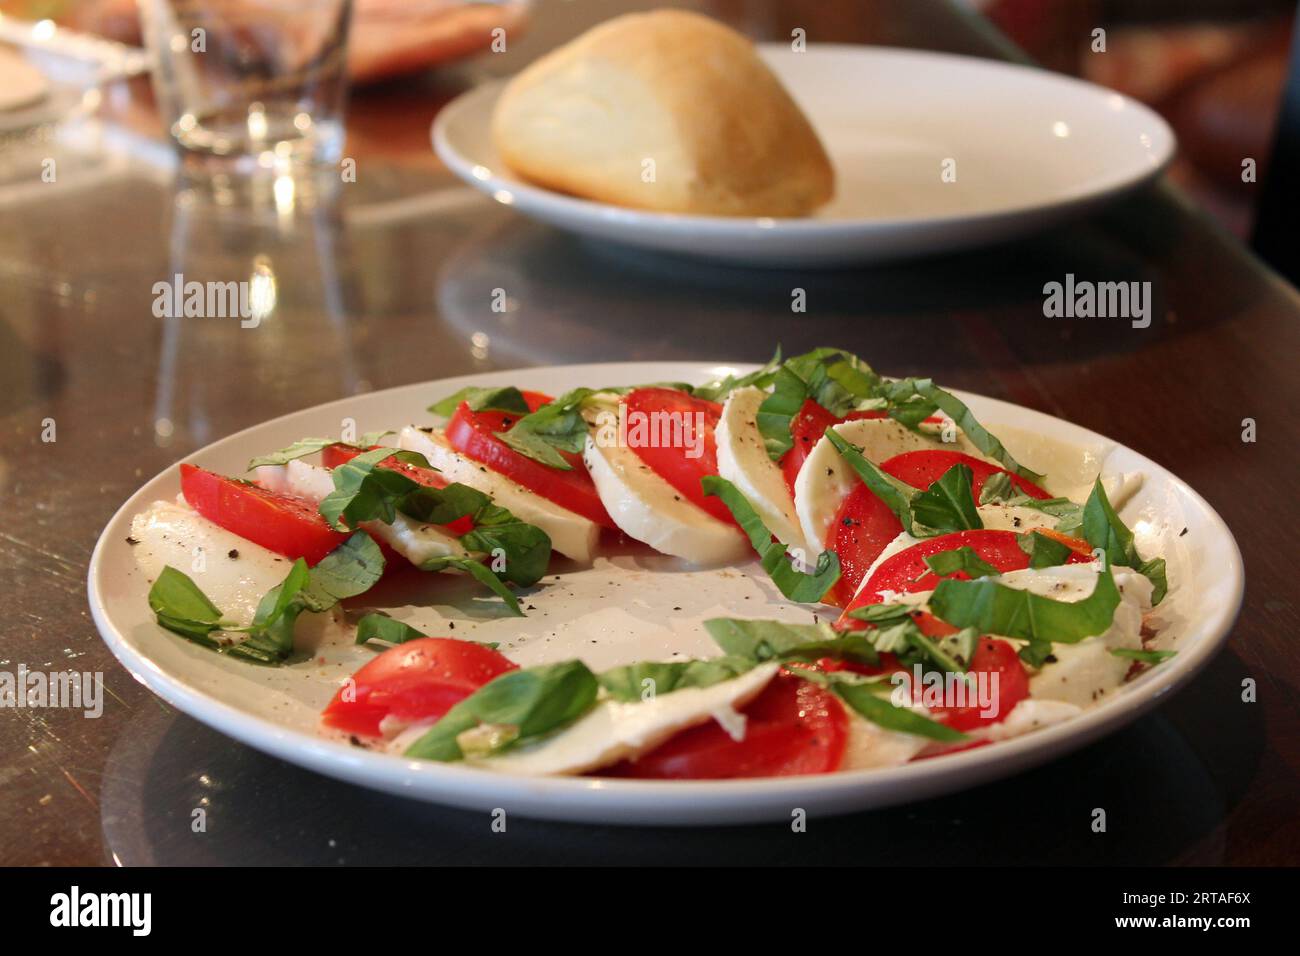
{"points": [[743, 461], [1085, 672], [870, 745], [646, 507], [1028, 715], [571, 534], [614, 730], [413, 540], [826, 477]]}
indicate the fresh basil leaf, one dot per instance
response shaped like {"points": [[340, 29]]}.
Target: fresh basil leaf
{"points": [[997, 487], [1036, 653], [948, 504], [480, 573], [1147, 657], [1044, 551], [553, 428], [776, 640], [525, 549], [182, 608], [896, 632], [789, 580], [963, 559], [866, 698], [718, 389], [499, 398], [526, 703], [1103, 528], [909, 397], [363, 491], [310, 446], [837, 380], [353, 568], [633, 682], [270, 637], [381, 627], [993, 608]]}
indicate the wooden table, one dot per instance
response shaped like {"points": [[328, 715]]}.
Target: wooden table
{"points": [[391, 283]]}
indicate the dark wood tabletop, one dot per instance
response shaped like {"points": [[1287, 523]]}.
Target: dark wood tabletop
{"points": [[387, 281]]}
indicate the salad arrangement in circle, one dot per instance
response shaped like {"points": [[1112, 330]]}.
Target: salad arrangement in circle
{"points": [[968, 599]]}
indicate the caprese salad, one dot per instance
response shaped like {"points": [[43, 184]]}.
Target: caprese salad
{"points": [[966, 599]]}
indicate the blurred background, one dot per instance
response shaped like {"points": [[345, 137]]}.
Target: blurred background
{"points": [[1215, 69]]}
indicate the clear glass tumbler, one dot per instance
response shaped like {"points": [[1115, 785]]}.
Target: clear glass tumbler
{"points": [[251, 83]]}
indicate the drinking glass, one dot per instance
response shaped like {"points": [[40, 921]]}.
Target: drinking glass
{"points": [[251, 83]]}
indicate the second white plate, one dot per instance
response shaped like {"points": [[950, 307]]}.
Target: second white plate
{"points": [[932, 153]]}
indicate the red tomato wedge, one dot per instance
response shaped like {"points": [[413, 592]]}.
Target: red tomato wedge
{"points": [[414, 682], [792, 728], [921, 469], [280, 523], [334, 455], [669, 422], [473, 434], [907, 572], [806, 429]]}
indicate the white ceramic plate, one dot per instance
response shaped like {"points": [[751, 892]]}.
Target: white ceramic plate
{"points": [[622, 610], [1030, 148]]}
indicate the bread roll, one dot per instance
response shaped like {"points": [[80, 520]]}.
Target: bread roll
{"points": [[667, 111]]}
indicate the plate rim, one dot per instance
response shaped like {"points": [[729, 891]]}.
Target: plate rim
{"points": [[479, 99], [584, 799]]}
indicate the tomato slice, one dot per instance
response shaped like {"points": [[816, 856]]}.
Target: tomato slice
{"points": [[791, 728], [864, 527], [806, 429], [921, 469], [417, 681], [334, 455], [907, 572], [669, 445], [280, 523], [473, 434]]}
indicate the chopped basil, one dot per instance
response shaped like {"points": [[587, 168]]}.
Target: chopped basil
{"points": [[1044, 551], [381, 627], [963, 559], [364, 491], [912, 400], [865, 695], [553, 428], [993, 608], [310, 446], [789, 580], [896, 632], [776, 640], [502, 399], [480, 573], [1147, 657], [629, 683], [948, 505], [182, 607], [718, 389], [350, 569], [837, 380], [998, 487], [518, 706], [1103, 529]]}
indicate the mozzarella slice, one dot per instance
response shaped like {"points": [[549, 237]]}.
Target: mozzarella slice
{"points": [[233, 572], [614, 730], [1085, 672], [743, 461], [870, 745], [826, 478], [649, 509], [571, 534], [413, 540], [1027, 716]]}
